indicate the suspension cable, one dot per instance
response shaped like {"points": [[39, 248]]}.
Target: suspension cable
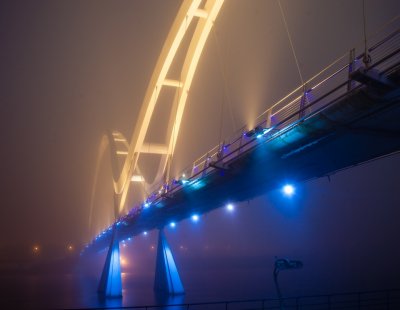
{"points": [[367, 57], [290, 41], [225, 83], [171, 148]]}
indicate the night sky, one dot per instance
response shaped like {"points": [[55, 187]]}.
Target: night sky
{"points": [[70, 70]]}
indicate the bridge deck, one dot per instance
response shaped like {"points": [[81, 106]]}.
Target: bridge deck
{"points": [[347, 124], [359, 126]]}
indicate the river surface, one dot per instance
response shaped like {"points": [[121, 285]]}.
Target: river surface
{"points": [[79, 291]]}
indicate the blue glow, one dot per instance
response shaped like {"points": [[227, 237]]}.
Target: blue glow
{"points": [[110, 283], [167, 276], [172, 224], [195, 218], [145, 233], [288, 190], [259, 136], [197, 184], [129, 239], [230, 207], [146, 204]]}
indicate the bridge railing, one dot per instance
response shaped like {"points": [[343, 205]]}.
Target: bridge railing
{"points": [[320, 91], [316, 94], [372, 300], [329, 84]]}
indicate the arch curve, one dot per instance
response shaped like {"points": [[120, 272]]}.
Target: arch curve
{"points": [[203, 13]]}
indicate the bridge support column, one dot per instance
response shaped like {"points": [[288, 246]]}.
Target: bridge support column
{"points": [[167, 279], [110, 285]]}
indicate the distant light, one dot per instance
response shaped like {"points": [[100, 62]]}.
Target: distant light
{"points": [[137, 178], [146, 204], [195, 218], [172, 224], [129, 239], [70, 247], [288, 190], [145, 233], [259, 136], [230, 207]]}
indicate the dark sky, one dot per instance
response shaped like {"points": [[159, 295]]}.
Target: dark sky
{"points": [[70, 70]]}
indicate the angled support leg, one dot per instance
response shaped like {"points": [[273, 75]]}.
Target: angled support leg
{"points": [[110, 285], [167, 278]]}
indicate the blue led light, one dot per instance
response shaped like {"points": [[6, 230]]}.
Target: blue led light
{"points": [[145, 233], [230, 207], [195, 218], [172, 224], [288, 190], [146, 205]]}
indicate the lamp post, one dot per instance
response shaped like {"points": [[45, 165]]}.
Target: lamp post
{"points": [[284, 264]]}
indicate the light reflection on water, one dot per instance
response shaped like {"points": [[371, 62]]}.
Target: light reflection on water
{"points": [[60, 291]]}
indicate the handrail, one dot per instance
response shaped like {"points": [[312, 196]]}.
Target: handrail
{"points": [[298, 105], [203, 160], [362, 300]]}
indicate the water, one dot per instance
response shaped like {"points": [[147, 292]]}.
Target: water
{"points": [[74, 290]]}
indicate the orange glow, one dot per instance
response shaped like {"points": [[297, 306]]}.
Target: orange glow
{"points": [[123, 261], [36, 249], [70, 248]]}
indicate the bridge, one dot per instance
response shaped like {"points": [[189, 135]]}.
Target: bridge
{"points": [[345, 115]]}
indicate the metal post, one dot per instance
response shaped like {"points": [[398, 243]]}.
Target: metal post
{"points": [[278, 290], [241, 142], [206, 164], [352, 58], [268, 123], [303, 102]]}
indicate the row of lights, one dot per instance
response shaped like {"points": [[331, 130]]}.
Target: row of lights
{"points": [[288, 190], [195, 217], [259, 132], [36, 248]]}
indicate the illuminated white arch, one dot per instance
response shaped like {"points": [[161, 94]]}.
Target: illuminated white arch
{"points": [[204, 16]]}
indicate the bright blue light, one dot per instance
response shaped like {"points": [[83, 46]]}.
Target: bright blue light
{"points": [[145, 233], [195, 218], [172, 224], [288, 190], [197, 184], [146, 204], [230, 207], [129, 239], [259, 136]]}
